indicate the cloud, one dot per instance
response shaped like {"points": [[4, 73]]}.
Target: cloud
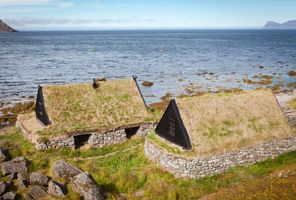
{"points": [[65, 4], [22, 2], [28, 21]]}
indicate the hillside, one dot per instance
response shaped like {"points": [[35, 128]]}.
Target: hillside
{"points": [[274, 25], [5, 28]]}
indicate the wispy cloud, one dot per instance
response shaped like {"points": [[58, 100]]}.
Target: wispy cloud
{"points": [[23, 2], [28, 21], [67, 4]]}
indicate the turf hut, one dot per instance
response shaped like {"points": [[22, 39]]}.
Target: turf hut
{"points": [[221, 122], [219, 131], [109, 113]]}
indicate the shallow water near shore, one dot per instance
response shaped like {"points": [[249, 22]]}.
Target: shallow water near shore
{"points": [[176, 61]]}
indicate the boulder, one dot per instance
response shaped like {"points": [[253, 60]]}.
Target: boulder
{"points": [[36, 192], [56, 189], [2, 187], [3, 155], [85, 186], [9, 196], [62, 169], [37, 178], [17, 165]]}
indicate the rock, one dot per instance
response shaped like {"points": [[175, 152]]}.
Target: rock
{"points": [[37, 178], [62, 169], [5, 28], [3, 155], [27, 197], [85, 185], [36, 192], [292, 73], [56, 189], [8, 196], [11, 177], [139, 193], [147, 83], [17, 165], [2, 187], [121, 197], [22, 182]]}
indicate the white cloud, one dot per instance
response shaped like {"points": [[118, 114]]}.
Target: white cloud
{"points": [[29, 21], [22, 2], [65, 4]]}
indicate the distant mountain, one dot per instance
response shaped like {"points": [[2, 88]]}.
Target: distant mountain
{"points": [[5, 28], [274, 25]]}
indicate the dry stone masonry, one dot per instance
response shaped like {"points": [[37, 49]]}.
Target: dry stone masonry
{"points": [[201, 167], [94, 139]]}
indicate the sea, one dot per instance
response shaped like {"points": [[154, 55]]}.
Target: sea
{"points": [[176, 61]]}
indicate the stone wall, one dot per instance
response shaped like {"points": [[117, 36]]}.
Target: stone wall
{"points": [[113, 137], [200, 167], [96, 139]]}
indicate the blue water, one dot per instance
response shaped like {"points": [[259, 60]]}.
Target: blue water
{"points": [[173, 60]]}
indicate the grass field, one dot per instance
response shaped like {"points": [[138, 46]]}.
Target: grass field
{"points": [[130, 174]]}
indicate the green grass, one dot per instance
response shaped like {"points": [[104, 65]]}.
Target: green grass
{"points": [[158, 141], [129, 172]]}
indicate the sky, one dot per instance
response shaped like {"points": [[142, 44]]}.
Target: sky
{"points": [[143, 14]]}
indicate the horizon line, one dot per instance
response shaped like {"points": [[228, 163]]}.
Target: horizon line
{"points": [[150, 29]]}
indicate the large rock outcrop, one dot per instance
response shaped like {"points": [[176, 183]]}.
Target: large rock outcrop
{"points": [[5, 28]]}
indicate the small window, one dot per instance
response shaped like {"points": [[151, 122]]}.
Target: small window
{"points": [[172, 130]]}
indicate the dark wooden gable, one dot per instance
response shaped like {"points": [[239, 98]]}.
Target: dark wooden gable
{"points": [[40, 108], [171, 127]]}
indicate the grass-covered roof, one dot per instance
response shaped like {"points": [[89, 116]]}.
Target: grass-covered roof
{"points": [[219, 123], [80, 107]]}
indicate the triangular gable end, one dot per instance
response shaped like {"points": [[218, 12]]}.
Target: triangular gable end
{"points": [[40, 110], [171, 127]]}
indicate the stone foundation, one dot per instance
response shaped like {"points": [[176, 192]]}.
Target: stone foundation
{"points": [[96, 139], [201, 167]]}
